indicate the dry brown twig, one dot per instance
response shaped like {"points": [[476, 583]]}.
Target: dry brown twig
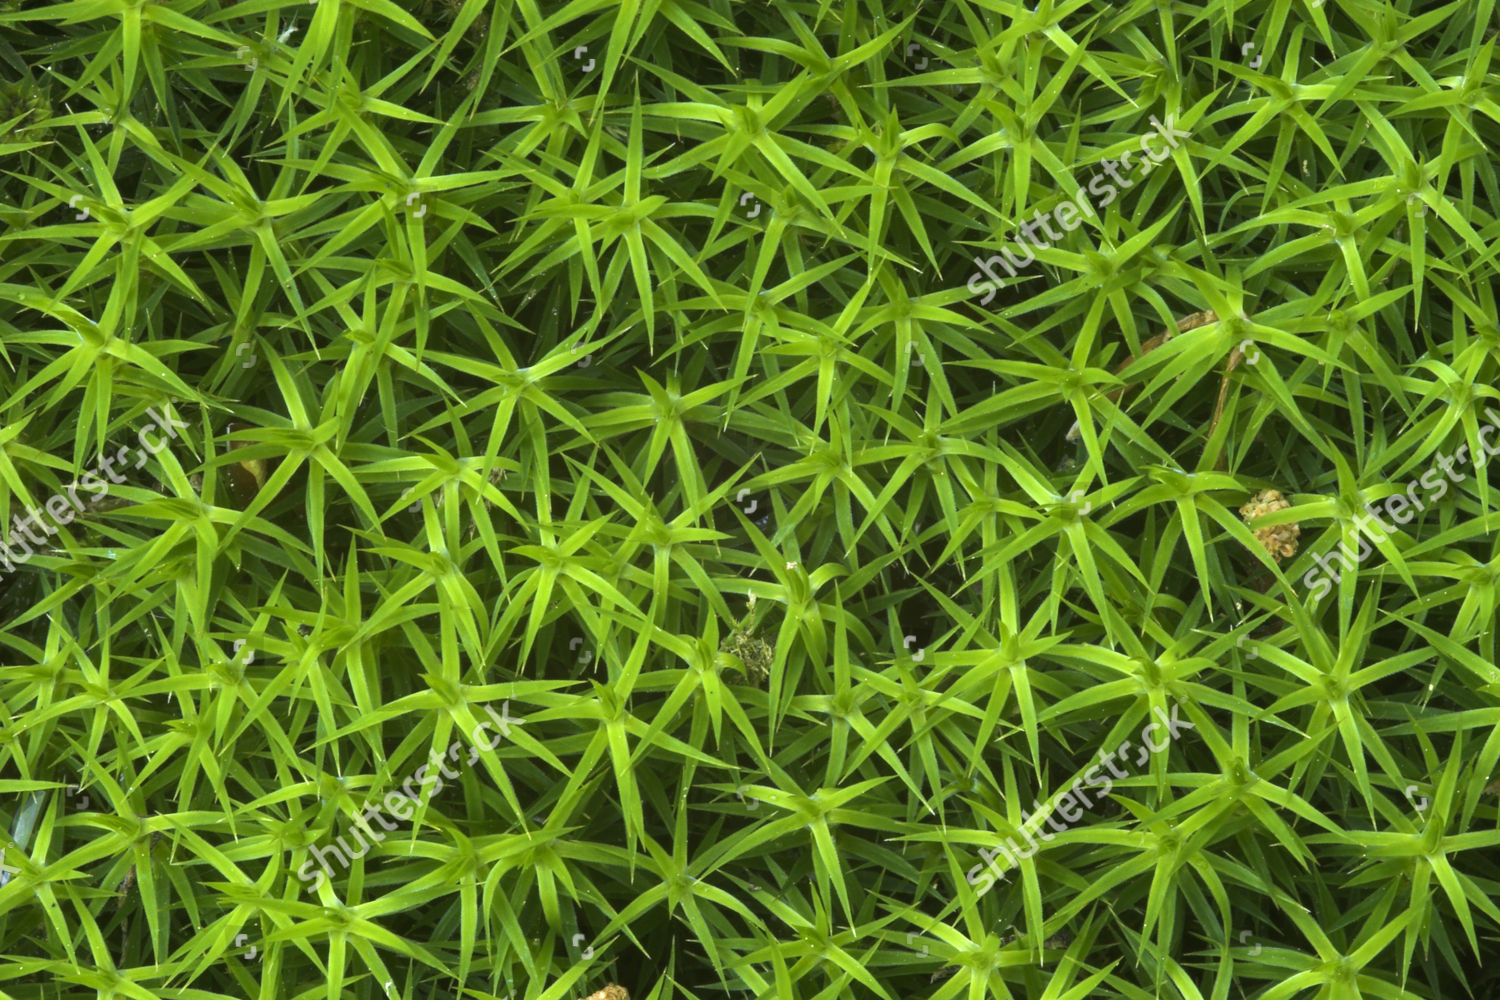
{"points": [[1185, 324], [1191, 322]]}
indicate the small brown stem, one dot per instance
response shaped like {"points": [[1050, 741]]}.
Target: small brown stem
{"points": [[1190, 322], [1235, 356]]}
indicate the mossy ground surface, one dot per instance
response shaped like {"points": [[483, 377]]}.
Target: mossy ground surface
{"points": [[642, 433]]}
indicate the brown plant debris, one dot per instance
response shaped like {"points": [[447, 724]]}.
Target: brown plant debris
{"points": [[613, 991], [754, 652], [1280, 540]]}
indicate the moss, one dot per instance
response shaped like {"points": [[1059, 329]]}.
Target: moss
{"points": [[22, 106]]}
